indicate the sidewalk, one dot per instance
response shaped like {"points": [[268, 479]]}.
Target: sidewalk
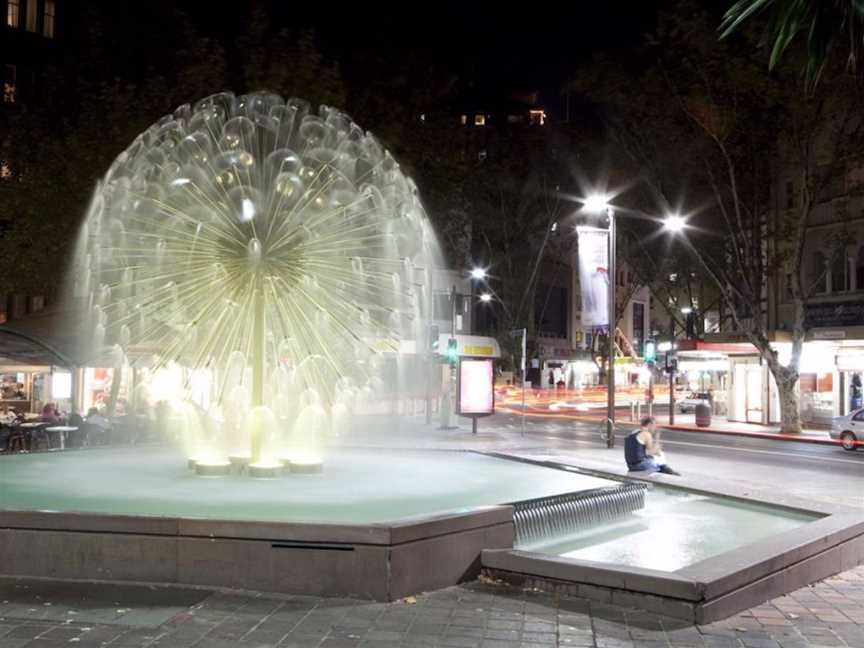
{"points": [[480, 614], [719, 425]]}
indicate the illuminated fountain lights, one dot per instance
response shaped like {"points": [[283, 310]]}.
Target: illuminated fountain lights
{"points": [[260, 262]]}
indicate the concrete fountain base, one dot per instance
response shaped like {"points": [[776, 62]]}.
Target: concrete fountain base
{"points": [[376, 561], [383, 560]]}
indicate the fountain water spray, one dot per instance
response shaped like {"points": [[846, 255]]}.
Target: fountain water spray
{"points": [[277, 251]]}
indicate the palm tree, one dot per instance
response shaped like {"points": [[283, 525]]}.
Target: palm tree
{"points": [[825, 25]]}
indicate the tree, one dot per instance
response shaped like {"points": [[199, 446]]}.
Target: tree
{"points": [[827, 25], [708, 115]]}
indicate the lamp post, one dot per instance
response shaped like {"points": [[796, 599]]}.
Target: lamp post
{"points": [[673, 223], [598, 204]]}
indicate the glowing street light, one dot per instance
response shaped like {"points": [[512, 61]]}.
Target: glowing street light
{"points": [[686, 310], [485, 298], [478, 273], [596, 204], [675, 223]]}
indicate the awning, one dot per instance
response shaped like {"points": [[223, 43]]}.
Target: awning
{"points": [[727, 348], [45, 338]]}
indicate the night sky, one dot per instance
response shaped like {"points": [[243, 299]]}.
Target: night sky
{"points": [[497, 48]]}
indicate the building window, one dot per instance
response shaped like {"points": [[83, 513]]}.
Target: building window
{"points": [[537, 117], [5, 170], [839, 274], [818, 272], [13, 11], [48, 22], [790, 194], [9, 84], [859, 270], [479, 120], [31, 16], [463, 119]]}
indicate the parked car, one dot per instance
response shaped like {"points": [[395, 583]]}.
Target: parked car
{"points": [[695, 398], [849, 430]]}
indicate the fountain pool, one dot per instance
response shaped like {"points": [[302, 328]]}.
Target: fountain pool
{"points": [[360, 486], [675, 529]]}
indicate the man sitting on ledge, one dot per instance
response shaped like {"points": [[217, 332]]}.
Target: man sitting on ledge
{"points": [[642, 449]]}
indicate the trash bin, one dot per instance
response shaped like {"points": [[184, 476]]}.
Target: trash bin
{"points": [[703, 415]]}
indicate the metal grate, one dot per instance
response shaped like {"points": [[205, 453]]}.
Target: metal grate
{"points": [[546, 517]]}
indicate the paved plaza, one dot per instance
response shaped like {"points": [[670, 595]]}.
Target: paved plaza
{"points": [[43, 614]]}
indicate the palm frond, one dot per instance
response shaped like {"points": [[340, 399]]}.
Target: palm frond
{"points": [[824, 24]]}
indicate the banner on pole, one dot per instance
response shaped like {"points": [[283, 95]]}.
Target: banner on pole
{"points": [[594, 275]]}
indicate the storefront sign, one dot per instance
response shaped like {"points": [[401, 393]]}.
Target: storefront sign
{"points": [[828, 334], [594, 276], [853, 361], [476, 393], [558, 353], [479, 350], [826, 315]]}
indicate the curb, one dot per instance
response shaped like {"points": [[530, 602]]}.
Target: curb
{"points": [[776, 436]]}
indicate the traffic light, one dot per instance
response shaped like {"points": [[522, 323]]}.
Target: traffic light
{"points": [[671, 365], [650, 351], [452, 350]]}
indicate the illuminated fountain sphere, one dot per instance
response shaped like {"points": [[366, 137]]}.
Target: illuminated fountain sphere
{"points": [[269, 257]]}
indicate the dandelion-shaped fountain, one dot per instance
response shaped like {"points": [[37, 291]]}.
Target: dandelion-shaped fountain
{"points": [[277, 254]]}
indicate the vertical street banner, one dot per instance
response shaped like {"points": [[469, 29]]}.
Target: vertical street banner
{"points": [[594, 276]]}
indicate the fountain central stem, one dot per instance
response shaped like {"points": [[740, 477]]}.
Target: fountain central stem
{"points": [[257, 369]]}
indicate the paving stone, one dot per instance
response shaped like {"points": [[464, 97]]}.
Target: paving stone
{"points": [[473, 615]]}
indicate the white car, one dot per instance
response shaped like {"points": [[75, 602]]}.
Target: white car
{"points": [[849, 430], [695, 398]]}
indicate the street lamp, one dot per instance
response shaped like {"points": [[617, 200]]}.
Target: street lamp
{"points": [[478, 273], [599, 204], [686, 310], [675, 223], [486, 298]]}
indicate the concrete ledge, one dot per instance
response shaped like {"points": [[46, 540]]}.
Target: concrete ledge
{"points": [[425, 526], [672, 594], [734, 569], [815, 568], [88, 522], [378, 561], [631, 579], [377, 534], [675, 608], [714, 588]]}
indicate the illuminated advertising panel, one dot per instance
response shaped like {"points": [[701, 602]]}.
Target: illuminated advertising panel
{"points": [[476, 382]]}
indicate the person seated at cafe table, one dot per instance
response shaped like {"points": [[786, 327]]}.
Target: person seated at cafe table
{"points": [[7, 414], [50, 414]]}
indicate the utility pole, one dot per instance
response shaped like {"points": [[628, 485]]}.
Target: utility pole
{"points": [[671, 366], [612, 273], [448, 406]]}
